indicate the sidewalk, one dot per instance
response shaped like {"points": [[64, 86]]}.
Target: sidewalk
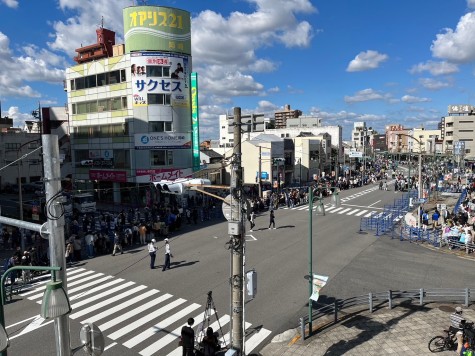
{"points": [[405, 330]]}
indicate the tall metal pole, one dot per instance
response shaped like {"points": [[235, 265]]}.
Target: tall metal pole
{"points": [[55, 221], [420, 185], [259, 180], [237, 320], [310, 257], [20, 197]]}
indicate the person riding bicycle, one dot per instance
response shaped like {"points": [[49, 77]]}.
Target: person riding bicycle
{"points": [[457, 322]]}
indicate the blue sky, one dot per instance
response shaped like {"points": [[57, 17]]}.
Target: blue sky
{"points": [[345, 61]]}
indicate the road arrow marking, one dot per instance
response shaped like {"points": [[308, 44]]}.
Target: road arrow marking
{"points": [[253, 238], [35, 324]]}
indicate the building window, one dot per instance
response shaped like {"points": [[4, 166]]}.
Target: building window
{"points": [[12, 146], [161, 158], [158, 71], [98, 80], [159, 99], [93, 106], [159, 126]]}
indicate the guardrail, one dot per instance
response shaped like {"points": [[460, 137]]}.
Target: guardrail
{"points": [[374, 301]]}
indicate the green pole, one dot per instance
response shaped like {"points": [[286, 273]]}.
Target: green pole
{"points": [[310, 258], [410, 163], [2, 292]]}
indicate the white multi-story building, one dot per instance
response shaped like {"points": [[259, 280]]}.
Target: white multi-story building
{"points": [[458, 131], [131, 105]]}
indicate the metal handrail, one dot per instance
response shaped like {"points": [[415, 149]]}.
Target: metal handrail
{"points": [[465, 295]]}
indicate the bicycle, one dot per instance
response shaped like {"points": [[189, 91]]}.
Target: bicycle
{"points": [[441, 343], [449, 341]]}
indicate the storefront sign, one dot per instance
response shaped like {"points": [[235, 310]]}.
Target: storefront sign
{"points": [[108, 176], [157, 175], [162, 140]]}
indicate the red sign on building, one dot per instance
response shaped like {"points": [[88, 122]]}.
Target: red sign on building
{"points": [[108, 176]]}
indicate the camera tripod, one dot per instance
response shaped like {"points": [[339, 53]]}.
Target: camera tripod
{"points": [[210, 308]]}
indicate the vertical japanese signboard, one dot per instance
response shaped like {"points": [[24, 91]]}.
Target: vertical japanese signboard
{"points": [[195, 128]]}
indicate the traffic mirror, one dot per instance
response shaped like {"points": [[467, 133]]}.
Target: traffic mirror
{"points": [[92, 339]]}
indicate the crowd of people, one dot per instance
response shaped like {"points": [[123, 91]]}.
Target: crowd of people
{"points": [[460, 227]]}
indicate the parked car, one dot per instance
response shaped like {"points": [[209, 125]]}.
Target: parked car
{"points": [[32, 187]]}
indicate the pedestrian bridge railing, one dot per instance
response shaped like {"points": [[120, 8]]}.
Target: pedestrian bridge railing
{"points": [[327, 315]]}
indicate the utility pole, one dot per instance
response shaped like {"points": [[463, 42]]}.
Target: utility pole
{"points": [[55, 221], [236, 229]]}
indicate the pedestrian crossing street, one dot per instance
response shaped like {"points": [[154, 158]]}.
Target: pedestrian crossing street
{"points": [[330, 208], [119, 308]]}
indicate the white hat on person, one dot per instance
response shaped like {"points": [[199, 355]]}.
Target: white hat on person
{"points": [[153, 241], [458, 309], [166, 240]]}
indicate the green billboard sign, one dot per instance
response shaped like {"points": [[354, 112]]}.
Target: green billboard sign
{"points": [[156, 28]]}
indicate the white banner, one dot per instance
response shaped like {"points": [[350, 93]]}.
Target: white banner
{"points": [[162, 140], [318, 283]]}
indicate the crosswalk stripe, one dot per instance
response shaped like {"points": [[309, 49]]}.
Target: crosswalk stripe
{"points": [[101, 295], [72, 290], [256, 339], [353, 211], [121, 306], [361, 212], [76, 293], [154, 314], [134, 312], [106, 302], [368, 215], [335, 210], [160, 326], [39, 285], [227, 337], [302, 207], [344, 211], [330, 208]]}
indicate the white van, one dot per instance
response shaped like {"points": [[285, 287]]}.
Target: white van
{"points": [[82, 203]]}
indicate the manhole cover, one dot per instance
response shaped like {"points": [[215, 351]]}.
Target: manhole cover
{"points": [[447, 308]]}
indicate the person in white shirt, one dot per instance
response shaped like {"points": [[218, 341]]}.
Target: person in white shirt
{"points": [[168, 254], [152, 250]]}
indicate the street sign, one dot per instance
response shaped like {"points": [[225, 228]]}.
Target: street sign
{"points": [[422, 201], [356, 154], [231, 209]]}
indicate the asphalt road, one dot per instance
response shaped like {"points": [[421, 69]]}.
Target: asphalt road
{"points": [[355, 262]]}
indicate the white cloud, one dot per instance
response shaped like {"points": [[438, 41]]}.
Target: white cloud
{"points": [[457, 46], [273, 90], [262, 65], [414, 99], [266, 106], [13, 85], [366, 61], [11, 3], [80, 29], [300, 36], [366, 95], [435, 68], [18, 117], [433, 84]]}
